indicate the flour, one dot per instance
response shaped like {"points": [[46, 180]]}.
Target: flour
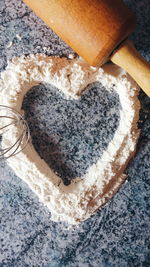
{"points": [[78, 201]]}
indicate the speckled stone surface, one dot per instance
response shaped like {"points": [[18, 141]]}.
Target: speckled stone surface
{"points": [[71, 135], [118, 235]]}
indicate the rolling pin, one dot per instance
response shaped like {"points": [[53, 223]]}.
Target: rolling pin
{"points": [[97, 30]]}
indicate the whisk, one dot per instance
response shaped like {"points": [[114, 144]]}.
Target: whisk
{"points": [[10, 118]]}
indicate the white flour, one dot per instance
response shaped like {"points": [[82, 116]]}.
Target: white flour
{"points": [[83, 196]]}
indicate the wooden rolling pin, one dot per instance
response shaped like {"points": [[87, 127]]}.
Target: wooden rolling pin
{"points": [[96, 30]]}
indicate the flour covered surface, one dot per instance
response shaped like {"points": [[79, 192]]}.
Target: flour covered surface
{"points": [[102, 175], [116, 235]]}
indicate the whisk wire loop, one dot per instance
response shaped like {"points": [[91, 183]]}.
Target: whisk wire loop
{"points": [[21, 126]]}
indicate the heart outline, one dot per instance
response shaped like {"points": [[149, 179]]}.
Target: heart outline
{"points": [[79, 200]]}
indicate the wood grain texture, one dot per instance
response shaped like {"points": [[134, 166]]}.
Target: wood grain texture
{"points": [[93, 28], [129, 59]]}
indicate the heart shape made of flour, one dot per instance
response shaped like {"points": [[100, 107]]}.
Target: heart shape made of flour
{"points": [[79, 200]]}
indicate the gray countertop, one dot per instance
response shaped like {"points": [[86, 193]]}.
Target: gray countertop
{"points": [[117, 235]]}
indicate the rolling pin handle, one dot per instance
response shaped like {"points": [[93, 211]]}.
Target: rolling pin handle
{"points": [[130, 60]]}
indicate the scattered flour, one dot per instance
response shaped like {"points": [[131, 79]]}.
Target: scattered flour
{"points": [[9, 44], [79, 200]]}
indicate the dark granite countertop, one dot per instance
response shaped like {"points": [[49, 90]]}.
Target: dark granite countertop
{"points": [[117, 235]]}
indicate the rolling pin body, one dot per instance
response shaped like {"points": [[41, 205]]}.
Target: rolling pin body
{"points": [[94, 28]]}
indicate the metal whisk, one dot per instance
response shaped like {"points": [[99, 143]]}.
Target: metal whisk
{"points": [[10, 118]]}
